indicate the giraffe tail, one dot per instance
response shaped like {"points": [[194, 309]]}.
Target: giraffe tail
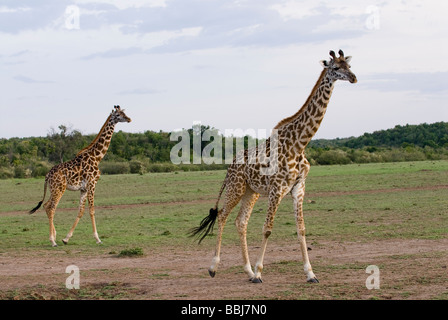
{"points": [[40, 202], [207, 224], [220, 193]]}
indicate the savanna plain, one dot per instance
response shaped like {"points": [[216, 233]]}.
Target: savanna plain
{"points": [[390, 215]]}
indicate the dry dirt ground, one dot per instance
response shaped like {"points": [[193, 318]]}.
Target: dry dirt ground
{"points": [[409, 269]]}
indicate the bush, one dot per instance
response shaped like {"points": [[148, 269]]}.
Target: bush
{"points": [[40, 169], [162, 167], [170, 167], [397, 155], [136, 166], [21, 172], [6, 173], [333, 157], [115, 167], [364, 156]]}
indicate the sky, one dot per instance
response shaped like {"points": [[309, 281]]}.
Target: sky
{"points": [[229, 64]]}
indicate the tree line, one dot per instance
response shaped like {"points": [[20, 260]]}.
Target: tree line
{"points": [[424, 135], [149, 151]]}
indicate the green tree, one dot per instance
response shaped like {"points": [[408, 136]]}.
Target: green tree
{"points": [[63, 145]]}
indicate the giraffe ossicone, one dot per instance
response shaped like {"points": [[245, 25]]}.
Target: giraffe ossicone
{"points": [[244, 181], [80, 174]]}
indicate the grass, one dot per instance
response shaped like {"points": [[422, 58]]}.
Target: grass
{"points": [[154, 211], [134, 252], [101, 291], [130, 224], [158, 209]]}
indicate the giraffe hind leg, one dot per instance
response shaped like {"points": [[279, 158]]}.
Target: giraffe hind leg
{"points": [[247, 205], [232, 200], [50, 208]]}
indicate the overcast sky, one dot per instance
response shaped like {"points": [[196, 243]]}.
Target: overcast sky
{"points": [[230, 64]]}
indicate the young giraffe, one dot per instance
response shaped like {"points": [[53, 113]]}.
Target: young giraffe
{"points": [[80, 173], [245, 183]]}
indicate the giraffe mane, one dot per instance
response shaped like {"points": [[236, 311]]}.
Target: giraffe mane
{"points": [[295, 115], [97, 136]]}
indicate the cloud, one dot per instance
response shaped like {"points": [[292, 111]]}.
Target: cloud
{"points": [[10, 59], [17, 16], [19, 53], [25, 79], [261, 23], [5, 9], [140, 91], [114, 53], [423, 82], [225, 24]]}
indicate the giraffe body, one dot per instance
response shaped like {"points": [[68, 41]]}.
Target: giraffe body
{"points": [[244, 181], [80, 174]]}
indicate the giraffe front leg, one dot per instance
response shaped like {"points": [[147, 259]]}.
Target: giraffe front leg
{"points": [[82, 202], [298, 193], [259, 265], [92, 214]]}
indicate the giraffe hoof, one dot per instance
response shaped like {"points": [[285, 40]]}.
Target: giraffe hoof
{"points": [[212, 273], [64, 241], [256, 280], [312, 280], [54, 245]]}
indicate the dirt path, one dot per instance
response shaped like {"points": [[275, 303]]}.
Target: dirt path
{"points": [[409, 269]]}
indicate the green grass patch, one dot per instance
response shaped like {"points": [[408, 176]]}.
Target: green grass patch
{"points": [[134, 252], [153, 210]]}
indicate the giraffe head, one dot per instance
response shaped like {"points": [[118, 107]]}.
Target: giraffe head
{"points": [[118, 115], [339, 68]]}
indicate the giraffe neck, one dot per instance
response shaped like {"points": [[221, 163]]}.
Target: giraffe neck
{"points": [[99, 146], [301, 127]]}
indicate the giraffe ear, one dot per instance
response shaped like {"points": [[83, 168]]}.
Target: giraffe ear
{"points": [[347, 59], [324, 63]]}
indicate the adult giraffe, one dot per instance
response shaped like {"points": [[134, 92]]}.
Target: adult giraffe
{"points": [[80, 174], [244, 181]]}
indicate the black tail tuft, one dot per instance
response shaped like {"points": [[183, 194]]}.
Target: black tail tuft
{"points": [[35, 209], [206, 225]]}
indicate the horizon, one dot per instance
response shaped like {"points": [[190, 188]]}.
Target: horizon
{"points": [[233, 130]]}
